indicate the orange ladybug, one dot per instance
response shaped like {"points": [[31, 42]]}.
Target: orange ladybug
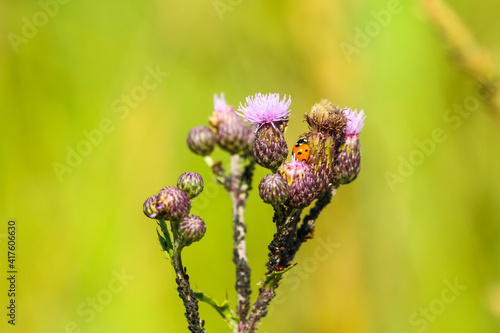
{"points": [[301, 150]]}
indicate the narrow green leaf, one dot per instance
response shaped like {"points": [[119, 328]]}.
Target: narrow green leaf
{"points": [[273, 278], [164, 245], [223, 309]]}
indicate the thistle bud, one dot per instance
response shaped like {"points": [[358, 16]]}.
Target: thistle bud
{"points": [[347, 165], [269, 147], [201, 140], [172, 203], [191, 229], [274, 189], [302, 182], [191, 183], [149, 207]]}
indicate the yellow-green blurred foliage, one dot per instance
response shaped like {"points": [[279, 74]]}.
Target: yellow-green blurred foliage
{"points": [[396, 246]]}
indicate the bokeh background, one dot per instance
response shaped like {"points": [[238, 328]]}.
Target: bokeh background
{"points": [[397, 245]]}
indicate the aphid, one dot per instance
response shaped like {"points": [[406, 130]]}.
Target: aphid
{"points": [[301, 150]]}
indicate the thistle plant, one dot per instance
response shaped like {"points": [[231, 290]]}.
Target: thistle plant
{"points": [[254, 135]]}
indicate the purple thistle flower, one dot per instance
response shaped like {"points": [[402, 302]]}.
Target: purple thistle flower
{"points": [[265, 109], [355, 121], [346, 166], [231, 134]]}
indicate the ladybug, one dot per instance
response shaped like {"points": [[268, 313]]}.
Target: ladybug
{"points": [[301, 150]]}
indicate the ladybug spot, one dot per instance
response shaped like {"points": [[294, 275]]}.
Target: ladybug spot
{"points": [[304, 160], [299, 153]]}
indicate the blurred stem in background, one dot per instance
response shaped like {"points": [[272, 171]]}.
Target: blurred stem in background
{"points": [[240, 184], [472, 58]]}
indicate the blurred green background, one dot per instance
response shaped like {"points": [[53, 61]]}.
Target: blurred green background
{"points": [[397, 245]]}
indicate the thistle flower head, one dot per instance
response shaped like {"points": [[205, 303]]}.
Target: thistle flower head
{"points": [[327, 118], [201, 140], [230, 131], [172, 203], [269, 147], [274, 189], [191, 229], [265, 109], [149, 207], [327, 123], [302, 182], [191, 183], [355, 121], [347, 165]]}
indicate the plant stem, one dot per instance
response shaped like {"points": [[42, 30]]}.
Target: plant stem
{"points": [[219, 173], [240, 183], [283, 248], [195, 324], [285, 225], [286, 222], [476, 61], [187, 295], [259, 309], [308, 223]]}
